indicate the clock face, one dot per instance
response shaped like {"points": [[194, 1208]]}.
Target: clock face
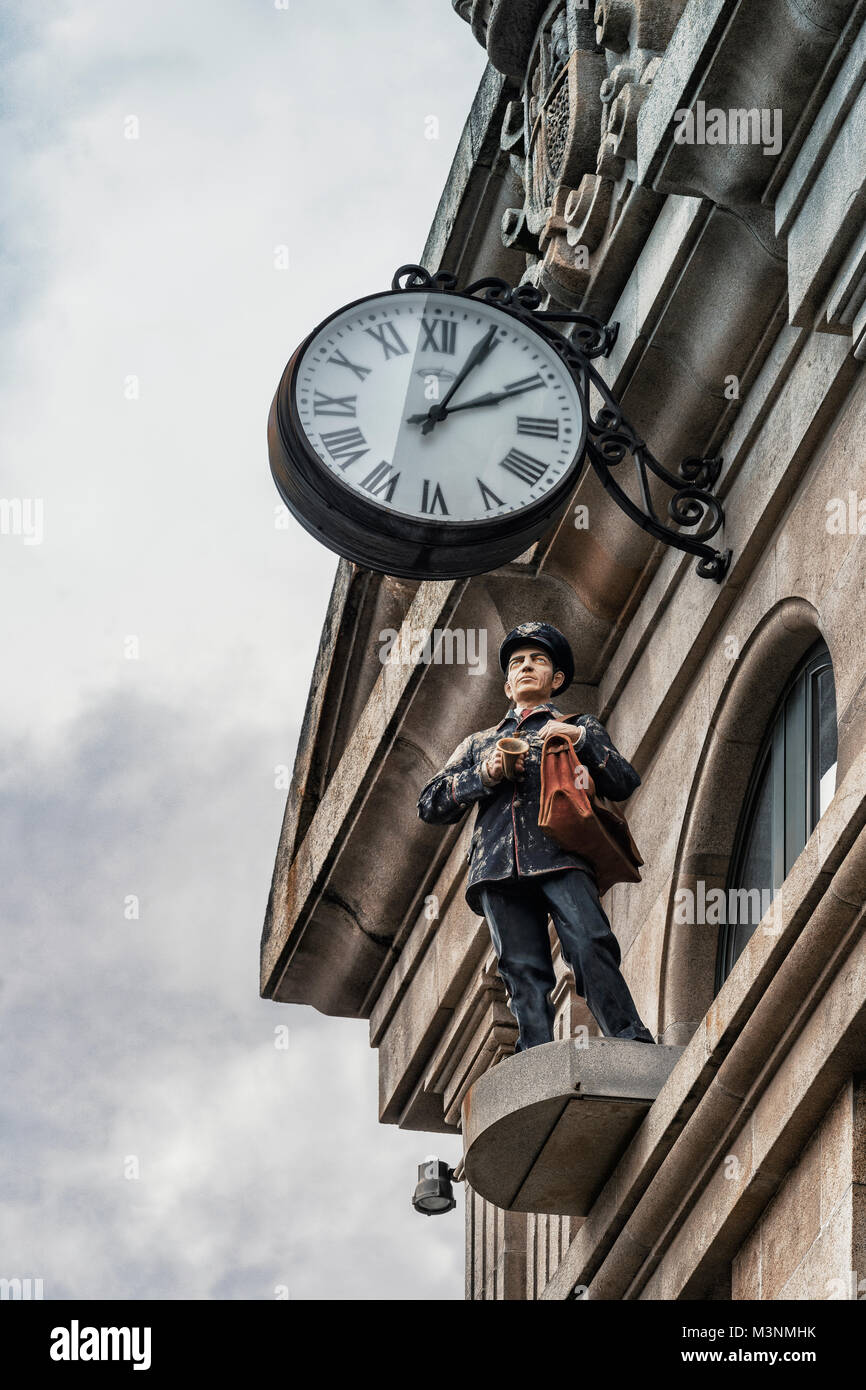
{"points": [[438, 407]]}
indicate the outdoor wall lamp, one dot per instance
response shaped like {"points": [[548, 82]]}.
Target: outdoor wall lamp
{"points": [[433, 1193]]}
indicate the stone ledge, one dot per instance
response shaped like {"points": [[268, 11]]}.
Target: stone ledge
{"points": [[818, 145], [544, 1129]]}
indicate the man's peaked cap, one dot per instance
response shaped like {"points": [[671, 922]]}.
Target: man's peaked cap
{"points": [[548, 637]]}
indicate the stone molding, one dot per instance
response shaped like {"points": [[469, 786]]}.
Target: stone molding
{"points": [[821, 210], [734, 735]]}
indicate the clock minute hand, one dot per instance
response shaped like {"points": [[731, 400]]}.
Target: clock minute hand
{"points": [[479, 352]]}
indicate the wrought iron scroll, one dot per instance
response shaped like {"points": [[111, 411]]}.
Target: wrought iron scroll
{"points": [[610, 437]]}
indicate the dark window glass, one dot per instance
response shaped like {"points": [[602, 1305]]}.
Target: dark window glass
{"points": [[757, 866], [793, 784]]}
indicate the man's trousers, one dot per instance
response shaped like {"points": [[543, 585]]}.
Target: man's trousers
{"points": [[516, 911]]}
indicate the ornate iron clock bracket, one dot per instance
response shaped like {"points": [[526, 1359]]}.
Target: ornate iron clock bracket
{"points": [[610, 436]]}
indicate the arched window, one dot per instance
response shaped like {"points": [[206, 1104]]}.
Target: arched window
{"points": [[791, 788]]}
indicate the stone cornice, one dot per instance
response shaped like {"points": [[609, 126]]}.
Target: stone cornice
{"points": [[297, 884]]}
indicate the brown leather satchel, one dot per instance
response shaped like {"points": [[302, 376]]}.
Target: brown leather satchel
{"points": [[573, 815]]}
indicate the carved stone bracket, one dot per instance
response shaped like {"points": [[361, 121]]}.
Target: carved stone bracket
{"points": [[624, 25]]}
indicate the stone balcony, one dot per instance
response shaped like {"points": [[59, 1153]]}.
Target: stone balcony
{"points": [[544, 1129]]}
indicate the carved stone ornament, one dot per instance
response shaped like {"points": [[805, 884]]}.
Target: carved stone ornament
{"points": [[572, 135], [506, 28]]}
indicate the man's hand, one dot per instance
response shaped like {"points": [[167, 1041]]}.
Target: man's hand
{"points": [[495, 766], [576, 732]]}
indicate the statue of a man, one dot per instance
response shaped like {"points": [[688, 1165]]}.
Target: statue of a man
{"points": [[518, 875]]}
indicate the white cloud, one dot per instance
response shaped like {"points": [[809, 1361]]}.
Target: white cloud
{"points": [[145, 1039], [154, 257]]}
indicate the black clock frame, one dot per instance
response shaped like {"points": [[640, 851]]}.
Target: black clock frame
{"points": [[392, 542], [396, 544]]}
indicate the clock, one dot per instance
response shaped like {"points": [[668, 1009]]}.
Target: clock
{"points": [[426, 433]]}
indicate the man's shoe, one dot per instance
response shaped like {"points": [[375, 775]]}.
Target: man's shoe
{"points": [[645, 1036]]}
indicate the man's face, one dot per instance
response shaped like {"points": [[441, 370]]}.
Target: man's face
{"points": [[531, 677]]}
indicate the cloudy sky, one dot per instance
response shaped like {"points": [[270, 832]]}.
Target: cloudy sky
{"points": [[159, 633]]}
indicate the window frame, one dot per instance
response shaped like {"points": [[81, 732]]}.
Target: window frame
{"points": [[816, 660]]}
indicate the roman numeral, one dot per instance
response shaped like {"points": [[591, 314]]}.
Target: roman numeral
{"points": [[334, 405], [388, 339], [485, 493], [524, 466], [440, 335], [348, 444], [547, 429], [342, 361], [378, 481], [526, 383], [428, 504]]}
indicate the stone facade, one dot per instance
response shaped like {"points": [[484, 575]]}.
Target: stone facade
{"points": [[738, 279]]}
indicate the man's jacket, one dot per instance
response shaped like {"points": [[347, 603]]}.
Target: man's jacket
{"points": [[507, 842]]}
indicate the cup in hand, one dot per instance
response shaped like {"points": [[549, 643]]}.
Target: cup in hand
{"points": [[511, 749]]}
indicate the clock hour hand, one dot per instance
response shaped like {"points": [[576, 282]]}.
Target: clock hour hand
{"points": [[489, 398], [477, 355]]}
